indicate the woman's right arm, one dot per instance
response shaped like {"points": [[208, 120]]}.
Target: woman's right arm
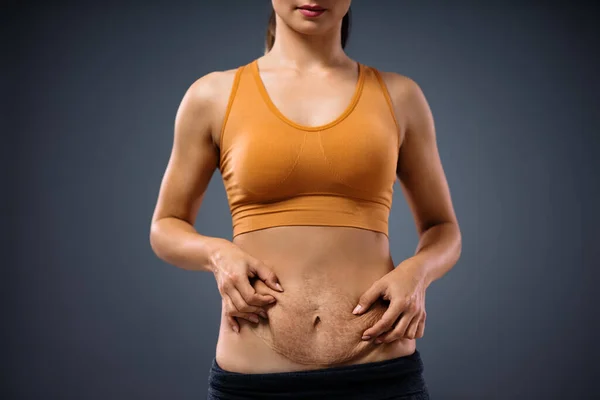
{"points": [[193, 161]]}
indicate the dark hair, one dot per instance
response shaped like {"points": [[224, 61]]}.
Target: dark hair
{"points": [[270, 37]]}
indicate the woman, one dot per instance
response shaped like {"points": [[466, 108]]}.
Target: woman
{"points": [[309, 144]]}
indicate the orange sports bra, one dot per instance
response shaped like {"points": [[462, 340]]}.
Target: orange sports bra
{"points": [[279, 173]]}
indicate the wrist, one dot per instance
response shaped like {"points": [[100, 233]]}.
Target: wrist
{"points": [[417, 269], [215, 249]]}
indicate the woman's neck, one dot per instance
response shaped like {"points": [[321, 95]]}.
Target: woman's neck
{"points": [[306, 52]]}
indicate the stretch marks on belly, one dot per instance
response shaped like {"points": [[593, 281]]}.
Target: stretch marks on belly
{"points": [[318, 330]]}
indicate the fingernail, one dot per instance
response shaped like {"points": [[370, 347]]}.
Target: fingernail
{"points": [[272, 300], [357, 309], [254, 319], [278, 286], [264, 315], [378, 341], [366, 337], [235, 329]]}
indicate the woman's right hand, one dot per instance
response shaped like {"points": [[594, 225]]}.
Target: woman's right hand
{"points": [[233, 268]]}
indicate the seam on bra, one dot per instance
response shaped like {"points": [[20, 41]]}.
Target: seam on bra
{"points": [[355, 198]]}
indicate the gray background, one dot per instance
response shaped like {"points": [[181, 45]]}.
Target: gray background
{"points": [[91, 94]]}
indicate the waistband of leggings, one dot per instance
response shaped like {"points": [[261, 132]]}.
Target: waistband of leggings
{"points": [[356, 374]]}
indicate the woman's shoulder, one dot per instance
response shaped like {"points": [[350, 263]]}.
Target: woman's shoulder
{"points": [[212, 90], [213, 87], [399, 86], [406, 95], [208, 96]]}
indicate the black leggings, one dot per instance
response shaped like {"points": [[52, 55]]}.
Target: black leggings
{"points": [[398, 378]]}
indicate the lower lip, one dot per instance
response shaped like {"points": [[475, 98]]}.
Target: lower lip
{"points": [[311, 13]]}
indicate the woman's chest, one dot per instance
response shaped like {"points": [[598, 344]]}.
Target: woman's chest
{"points": [[310, 102], [272, 157]]}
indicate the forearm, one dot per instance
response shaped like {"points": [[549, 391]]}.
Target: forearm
{"points": [[438, 251], [178, 243]]}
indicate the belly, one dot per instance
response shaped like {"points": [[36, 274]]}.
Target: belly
{"points": [[323, 271]]}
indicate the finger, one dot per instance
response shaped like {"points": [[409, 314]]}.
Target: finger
{"points": [[241, 305], [247, 316], [231, 311], [233, 324], [420, 329], [411, 314], [411, 331], [250, 296], [368, 298], [398, 331], [266, 275], [386, 321]]}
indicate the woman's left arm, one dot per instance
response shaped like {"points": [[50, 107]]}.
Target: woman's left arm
{"points": [[426, 190]]}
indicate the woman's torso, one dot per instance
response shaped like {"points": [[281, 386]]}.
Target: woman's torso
{"points": [[323, 269]]}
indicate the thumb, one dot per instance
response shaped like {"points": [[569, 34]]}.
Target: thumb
{"points": [[266, 275], [368, 298]]}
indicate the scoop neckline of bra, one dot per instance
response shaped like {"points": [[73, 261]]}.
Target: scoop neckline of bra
{"points": [[267, 98]]}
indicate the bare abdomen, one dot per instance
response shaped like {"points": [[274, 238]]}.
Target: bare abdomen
{"points": [[323, 271], [318, 329]]}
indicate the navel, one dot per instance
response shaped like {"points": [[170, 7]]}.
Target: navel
{"points": [[317, 321]]}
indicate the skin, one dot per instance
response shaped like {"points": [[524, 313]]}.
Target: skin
{"points": [[306, 297]]}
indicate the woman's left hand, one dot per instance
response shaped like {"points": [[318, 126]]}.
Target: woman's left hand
{"points": [[404, 288]]}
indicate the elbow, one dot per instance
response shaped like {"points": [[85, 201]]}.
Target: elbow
{"points": [[458, 243], [156, 240]]}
